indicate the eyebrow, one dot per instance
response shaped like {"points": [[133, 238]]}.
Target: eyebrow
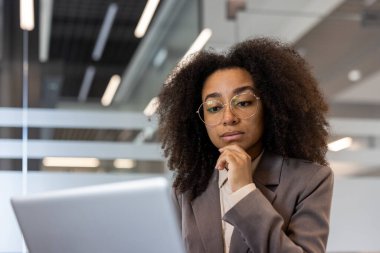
{"points": [[235, 91]]}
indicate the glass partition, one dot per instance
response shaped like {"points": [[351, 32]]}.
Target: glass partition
{"points": [[72, 136]]}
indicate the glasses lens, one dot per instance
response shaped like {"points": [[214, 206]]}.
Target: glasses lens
{"points": [[211, 112], [244, 105]]}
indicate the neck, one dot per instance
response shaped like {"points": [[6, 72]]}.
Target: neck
{"points": [[255, 151]]}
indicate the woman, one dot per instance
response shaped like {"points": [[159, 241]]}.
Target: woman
{"points": [[246, 135]]}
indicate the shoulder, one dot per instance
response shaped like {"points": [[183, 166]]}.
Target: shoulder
{"points": [[274, 168], [180, 197], [306, 175], [305, 169]]}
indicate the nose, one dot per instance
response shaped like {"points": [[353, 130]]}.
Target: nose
{"points": [[229, 118]]}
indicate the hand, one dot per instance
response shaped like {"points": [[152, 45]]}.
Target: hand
{"points": [[238, 164]]}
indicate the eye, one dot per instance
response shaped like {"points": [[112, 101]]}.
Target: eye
{"points": [[214, 109], [243, 103], [244, 100], [213, 106]]}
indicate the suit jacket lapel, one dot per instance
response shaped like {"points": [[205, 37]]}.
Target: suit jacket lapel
{"points": [[268, 174], [206, 208]]}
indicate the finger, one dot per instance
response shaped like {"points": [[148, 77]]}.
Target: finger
{"points": [[238, 154], [221, 163], [227, 159], [233, 147]]}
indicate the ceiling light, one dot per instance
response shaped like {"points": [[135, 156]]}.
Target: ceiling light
{"points": [[145, 134], [354, 75], [27, 15], [151, 108], [70, 162], [146, 17], [199, 42], [46, 14], [111, 90], [86, 83], [104, 32], [124, 163], [160, 57], [340, 144]]}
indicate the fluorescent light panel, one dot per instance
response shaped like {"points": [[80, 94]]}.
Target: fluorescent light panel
{"points": [[27, 15], [146, 133], [160, 57], [340, 144], [199, 42], [111, 90], [86, 83], [354, 75], [124, 163], [70, 162], [146, 17], [1, 29], [46, 11], [104, 32], [151, 108]]}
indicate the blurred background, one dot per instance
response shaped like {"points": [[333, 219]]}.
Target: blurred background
{"points": [[78, 88]]}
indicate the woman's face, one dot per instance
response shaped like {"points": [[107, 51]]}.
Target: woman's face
{"points": [[223, 85]]}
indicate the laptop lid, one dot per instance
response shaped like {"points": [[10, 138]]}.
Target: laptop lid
{"points": [[133, 216]]}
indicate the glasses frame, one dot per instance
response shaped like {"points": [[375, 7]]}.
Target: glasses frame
{"points": [[228, 105]]}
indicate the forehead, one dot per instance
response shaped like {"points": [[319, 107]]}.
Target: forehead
{"points": [[226, 81]]}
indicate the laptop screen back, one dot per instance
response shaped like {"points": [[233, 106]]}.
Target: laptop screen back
{"points": [[135, 216]]}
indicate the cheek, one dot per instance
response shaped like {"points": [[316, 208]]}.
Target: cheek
{"points": [[258, 126], [211, 131]]}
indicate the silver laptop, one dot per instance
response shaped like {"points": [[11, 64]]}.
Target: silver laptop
{"points": [[134, 216]]}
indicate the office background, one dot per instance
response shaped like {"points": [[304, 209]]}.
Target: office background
{"points": [[53, 81]]}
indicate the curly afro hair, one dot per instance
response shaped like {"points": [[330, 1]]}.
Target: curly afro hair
{"points": [[294, 109]]}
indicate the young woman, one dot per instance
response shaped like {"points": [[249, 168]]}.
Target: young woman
{"points": [[246, 135]]}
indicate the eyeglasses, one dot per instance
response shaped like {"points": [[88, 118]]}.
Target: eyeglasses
{"points": [[243, 106]]}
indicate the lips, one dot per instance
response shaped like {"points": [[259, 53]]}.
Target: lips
{"points": [[232, 136]]}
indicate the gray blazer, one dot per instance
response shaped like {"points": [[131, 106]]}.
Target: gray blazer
{"points": [[288, 212]]}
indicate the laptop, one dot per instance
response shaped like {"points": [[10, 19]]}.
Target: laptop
{"points": [[134, 216]]}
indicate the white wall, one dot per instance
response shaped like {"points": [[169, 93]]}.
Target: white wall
{"points": [[355, 223]]}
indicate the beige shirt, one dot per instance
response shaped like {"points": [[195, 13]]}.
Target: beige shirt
{"points": [[228, 199]]}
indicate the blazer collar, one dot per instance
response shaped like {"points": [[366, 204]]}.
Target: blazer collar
{"points": [[268, 171], [266, 177], [268, 174], [207, 212]]}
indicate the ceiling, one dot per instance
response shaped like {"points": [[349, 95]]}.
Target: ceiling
{"points": [[335, 36], [74, 30]]}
